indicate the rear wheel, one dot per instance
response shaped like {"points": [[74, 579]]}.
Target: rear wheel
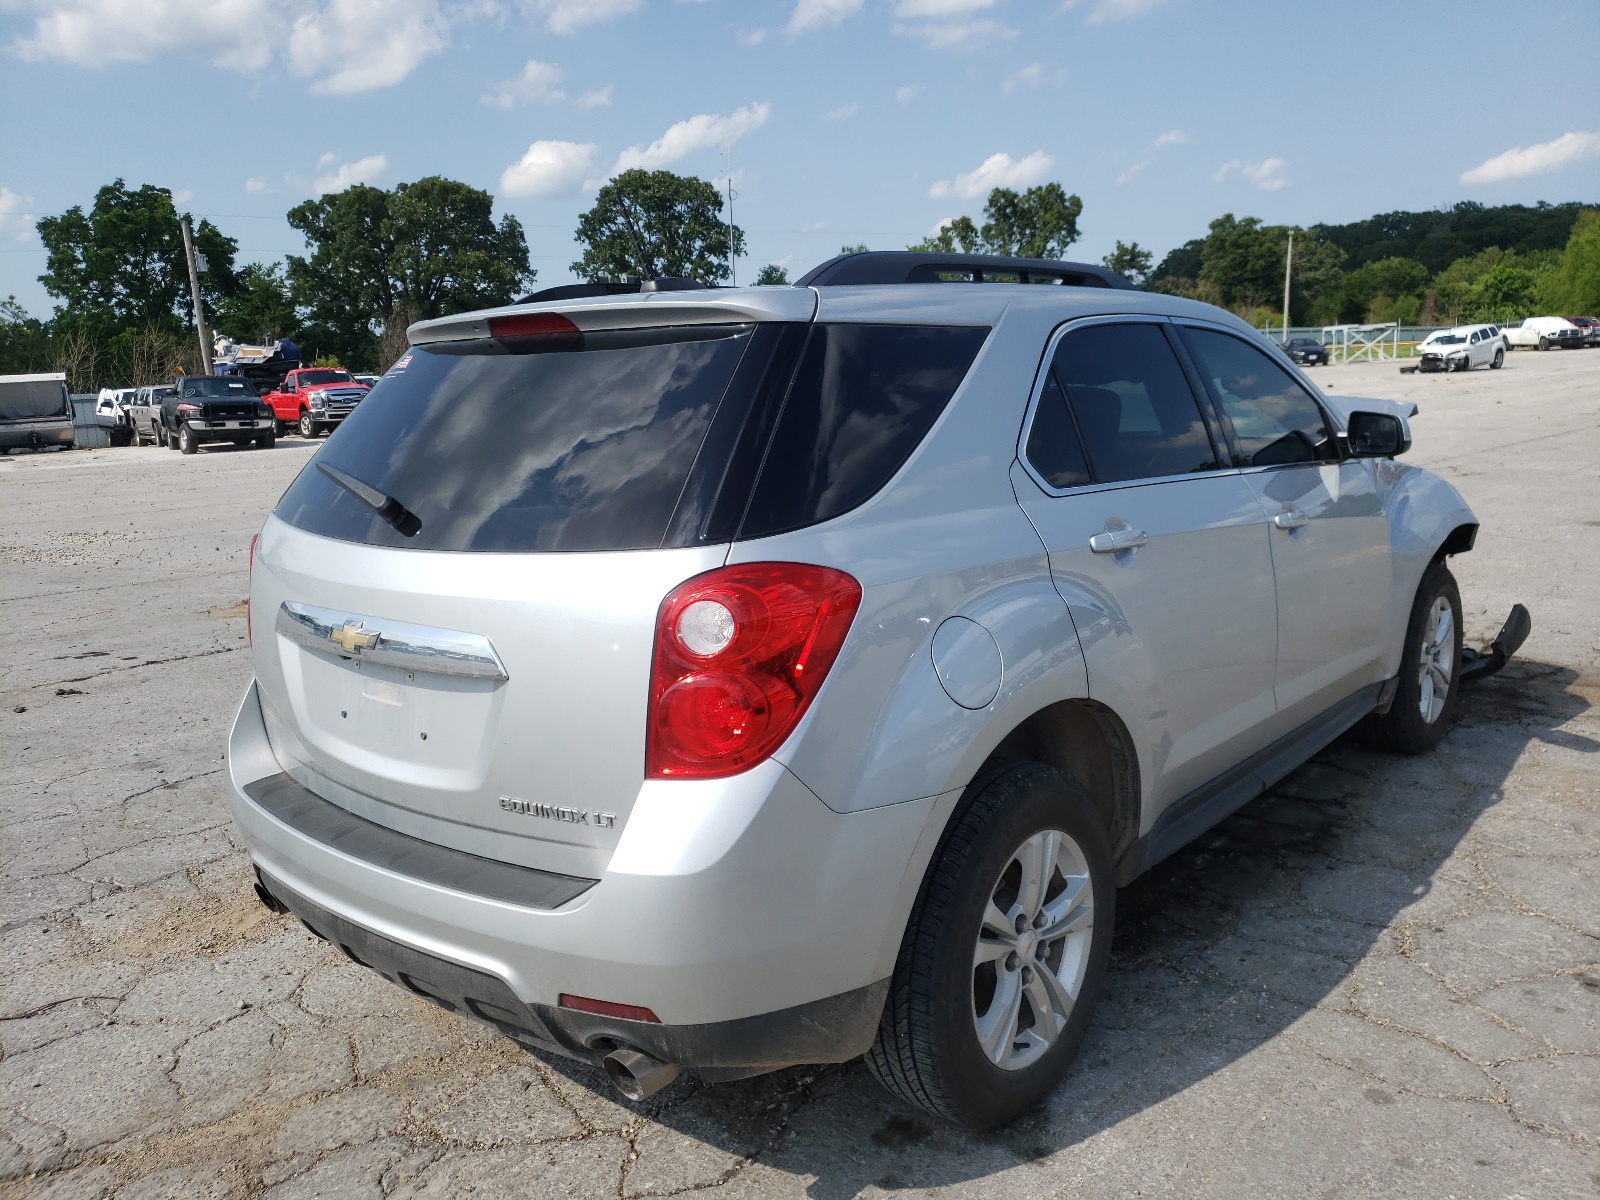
{"points": [[187, 442], [1499, 359], [308, 427], [1005, 953], [1430, 676]]}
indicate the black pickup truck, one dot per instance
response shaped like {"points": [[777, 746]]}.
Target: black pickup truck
{"points": [[211, 408]]}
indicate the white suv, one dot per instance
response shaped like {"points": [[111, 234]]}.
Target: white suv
{"points": [[1462, 348], [731, 679]]}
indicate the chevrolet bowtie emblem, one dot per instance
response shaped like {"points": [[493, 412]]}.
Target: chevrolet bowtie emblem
{"points": [[352, 636]]}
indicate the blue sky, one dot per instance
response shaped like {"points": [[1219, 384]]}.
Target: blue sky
{"points": [[849, 120]]}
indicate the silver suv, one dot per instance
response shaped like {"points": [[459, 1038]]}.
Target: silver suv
{"points": [[731, 679]]}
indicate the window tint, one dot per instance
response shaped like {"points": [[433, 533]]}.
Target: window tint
{"points": [[1053, 445], [1134, 409], [1273, 419], [214, 385], [862, 399], [569, 449]]}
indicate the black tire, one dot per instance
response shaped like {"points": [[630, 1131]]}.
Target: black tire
{"points": [[1498, 361], [265, 441], [1544, 343], [280, 428], [308, 427], [927, 1051], [187, 442], [171, 440], [1403, 729]]}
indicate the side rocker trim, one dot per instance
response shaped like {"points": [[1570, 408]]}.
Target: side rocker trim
{"points": [[1189, 816]]}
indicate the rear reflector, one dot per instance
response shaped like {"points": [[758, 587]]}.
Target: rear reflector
{"points": [[521, 325], [605, 1008]]}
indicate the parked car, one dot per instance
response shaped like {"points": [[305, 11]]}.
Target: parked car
{"points": [[1545, 333], [144, 413], [1308, 352], [36, 411], [314, 399], [737, 678], [1589, 327], [1462, 348], [214, 408]]}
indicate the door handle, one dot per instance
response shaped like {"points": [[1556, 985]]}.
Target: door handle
{"points": [[1291, 518], [1113, 540]]}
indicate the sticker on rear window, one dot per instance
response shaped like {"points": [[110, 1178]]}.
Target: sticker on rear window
{"points": [[405, 361]]}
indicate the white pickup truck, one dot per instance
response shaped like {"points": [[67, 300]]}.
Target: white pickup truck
{"points": [[1544, 333]]}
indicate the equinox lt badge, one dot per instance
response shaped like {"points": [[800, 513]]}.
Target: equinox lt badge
{"points": [[552, 812]]}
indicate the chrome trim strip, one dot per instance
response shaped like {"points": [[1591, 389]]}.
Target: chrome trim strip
{"points": [[390, 643]]}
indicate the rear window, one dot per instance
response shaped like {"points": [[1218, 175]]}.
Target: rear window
{"points": [[492, 450], [862, 399]]}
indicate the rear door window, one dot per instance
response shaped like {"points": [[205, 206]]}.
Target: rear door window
{"points": [[570, 449], [1274, 420], [862, 399], [1131, 404]]}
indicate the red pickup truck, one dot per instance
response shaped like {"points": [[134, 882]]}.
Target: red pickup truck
{"points": [[315, 399]]}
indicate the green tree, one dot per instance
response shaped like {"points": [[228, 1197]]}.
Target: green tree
{"points": [[1132, 261], [1242, 264], [858, 248], [24, 340], [1038, 223], [260, 307], [121, 265], [383, 259], [1373, 292], [656, 224], [772, 275], [1573, 286]]}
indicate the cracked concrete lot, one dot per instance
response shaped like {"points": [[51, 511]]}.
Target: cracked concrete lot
{"points": [[1382, 979]]}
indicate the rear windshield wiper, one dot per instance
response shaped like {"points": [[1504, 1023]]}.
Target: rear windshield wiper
{"points": [[387, 507]]}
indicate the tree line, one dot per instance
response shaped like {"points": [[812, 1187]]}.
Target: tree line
{"points": [[1463, 264], [378, 260]]}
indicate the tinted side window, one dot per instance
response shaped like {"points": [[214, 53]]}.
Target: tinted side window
{"points": [[1273, 419], [1134, 409], [862, 399], [1053, 447]]}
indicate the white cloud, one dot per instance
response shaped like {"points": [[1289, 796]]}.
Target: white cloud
{"points": [[1172, 137], [998, 170], [1029, 77], [360, 45], [1266, 174], [844, 112], [549, 168], [363, 170], [947, 35], [704, 132], [940, 9], [255, 186], [568, 16], [537, 85], [821, 14], [905, 95], [939, 227], [1520, 162], [182, 196], [16, 220], [1129, 172], [95, 33], [327, 158], [1119, 10]]}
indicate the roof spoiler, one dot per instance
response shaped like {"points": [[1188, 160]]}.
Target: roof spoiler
{"points": [[611, 287], [915, 266]]}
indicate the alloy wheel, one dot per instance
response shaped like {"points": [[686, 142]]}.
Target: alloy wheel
{"points": [[1437, 660], [1032, 950]]}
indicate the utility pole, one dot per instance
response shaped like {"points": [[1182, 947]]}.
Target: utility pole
{"points": [[1288, 267], [733, 274], [194, 294]]}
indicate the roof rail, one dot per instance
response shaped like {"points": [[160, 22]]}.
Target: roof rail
{"points": [[915, 266]]}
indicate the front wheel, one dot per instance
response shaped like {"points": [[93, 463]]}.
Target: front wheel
{"points": [[1498, 361], [1544, 343], [266, 440], [1005, 953], [1430, 677], [308, 427], [187, 442]]}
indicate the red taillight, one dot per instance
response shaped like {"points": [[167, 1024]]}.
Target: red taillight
{"points": [[740, 652], [521, 325], [249, 632], [605, 1008]]}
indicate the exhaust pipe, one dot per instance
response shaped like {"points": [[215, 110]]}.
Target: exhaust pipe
{"points": [[638, 1076]]}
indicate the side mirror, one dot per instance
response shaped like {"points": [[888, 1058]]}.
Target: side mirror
{"points": [[1375, 435]]}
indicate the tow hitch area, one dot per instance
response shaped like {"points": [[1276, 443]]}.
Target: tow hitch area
{"points": [[1480, 664]]}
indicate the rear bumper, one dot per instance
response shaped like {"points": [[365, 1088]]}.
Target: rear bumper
{"points": [[758, 924]]}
